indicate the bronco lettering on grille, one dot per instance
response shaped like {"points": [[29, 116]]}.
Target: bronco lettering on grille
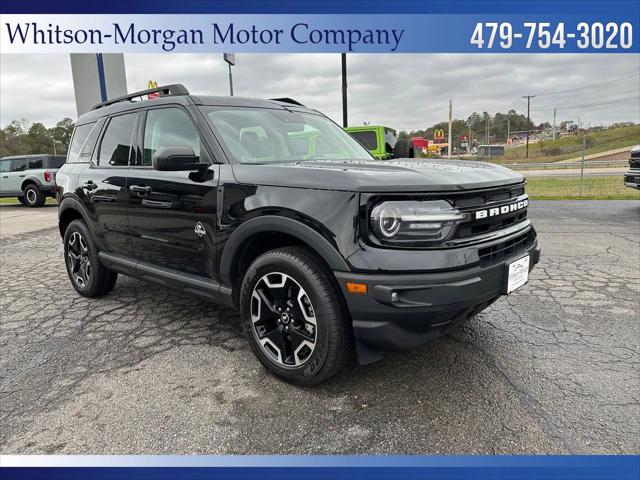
{"points": [[493, 212]]}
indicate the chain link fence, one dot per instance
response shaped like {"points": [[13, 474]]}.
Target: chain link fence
{"points": [[589, 165]]}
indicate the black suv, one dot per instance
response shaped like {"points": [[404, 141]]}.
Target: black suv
{"points": [[632, 177], [321, 247]]}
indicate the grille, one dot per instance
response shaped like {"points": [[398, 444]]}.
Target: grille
{"points": [[635, 153], [500, 251], [489, 199], [634, 162]]}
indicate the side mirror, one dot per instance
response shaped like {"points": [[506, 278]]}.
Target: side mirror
{"points": [[179, 158]]}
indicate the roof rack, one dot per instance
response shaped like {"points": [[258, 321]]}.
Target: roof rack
{"points": [[164, 91], [287, 100]]}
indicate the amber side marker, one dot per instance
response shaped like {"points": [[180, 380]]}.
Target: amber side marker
{"points": [[356, 287]]}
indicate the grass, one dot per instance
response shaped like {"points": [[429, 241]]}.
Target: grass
{"points": [[14, 200], [594, 188], [571, 147]]}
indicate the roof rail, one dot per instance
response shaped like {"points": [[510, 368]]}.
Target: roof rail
{"points": [[164, 91], [287, 100]]}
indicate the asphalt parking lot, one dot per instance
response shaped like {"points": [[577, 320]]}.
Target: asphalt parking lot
{"points": [[553, 368]]}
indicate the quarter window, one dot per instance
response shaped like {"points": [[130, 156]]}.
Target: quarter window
{"points": [[5, 165], [79, 136], [367, 139], [167, 127], [115, 148]]}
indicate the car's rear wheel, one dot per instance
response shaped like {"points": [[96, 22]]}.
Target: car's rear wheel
{"points": [[88, 276], [33, 196], [293, 316]]}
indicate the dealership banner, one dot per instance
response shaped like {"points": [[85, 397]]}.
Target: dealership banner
{"points": [[362, 27], [319, 26], [347, 467]]}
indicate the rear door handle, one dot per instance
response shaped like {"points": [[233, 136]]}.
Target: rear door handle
{"points": [[89, 185], [141, 190]]}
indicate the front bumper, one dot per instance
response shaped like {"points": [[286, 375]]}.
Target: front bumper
{"points": [[632, 178], [427, 305]]}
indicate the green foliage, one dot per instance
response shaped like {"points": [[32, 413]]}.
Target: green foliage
{"points": [[23, 138], [500, 125]]}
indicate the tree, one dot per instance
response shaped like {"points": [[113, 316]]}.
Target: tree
{"points": [[23, 138]]}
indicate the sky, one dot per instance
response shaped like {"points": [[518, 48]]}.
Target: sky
{"points": [[402, 91]]}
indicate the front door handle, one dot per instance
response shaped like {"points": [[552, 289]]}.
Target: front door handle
{"points": [[89, 185], [141, 190]]}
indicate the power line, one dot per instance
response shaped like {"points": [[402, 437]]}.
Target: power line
{"points": [[607, 82], [635, 90], [586, 105]]}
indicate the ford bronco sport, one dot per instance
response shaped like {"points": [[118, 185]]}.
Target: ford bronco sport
{"points": [[324, 254]]}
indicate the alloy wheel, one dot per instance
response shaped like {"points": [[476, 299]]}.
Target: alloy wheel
{"points": [[31, 196], [78, 259], [283, 319]]}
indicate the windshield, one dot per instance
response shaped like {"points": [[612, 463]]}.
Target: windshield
{"points": [[265, 135]]}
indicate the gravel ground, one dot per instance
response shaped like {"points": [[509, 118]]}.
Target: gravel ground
{"points": [[553, 368]]}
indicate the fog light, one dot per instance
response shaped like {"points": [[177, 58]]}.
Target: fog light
{"points": [[394, 296]]}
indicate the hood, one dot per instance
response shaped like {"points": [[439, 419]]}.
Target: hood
{"points": [[401, 175]]}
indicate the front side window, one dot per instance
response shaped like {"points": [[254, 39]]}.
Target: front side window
{"points": [[115, 148], [266, 135], [168, 127]]}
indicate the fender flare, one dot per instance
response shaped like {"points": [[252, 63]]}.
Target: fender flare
{"points": [[71, 203], [274, 223], [30, 180]]}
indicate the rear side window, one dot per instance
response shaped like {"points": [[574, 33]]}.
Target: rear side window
{"points": [[367, 139], [19, 164], [115, 148], [35, 163]]}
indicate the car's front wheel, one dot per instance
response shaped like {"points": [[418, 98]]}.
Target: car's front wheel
{"points": [[33, 196], [88, 276], [293, 316]]}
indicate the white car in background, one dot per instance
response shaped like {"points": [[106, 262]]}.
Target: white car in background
{"points": [[29, 178]]}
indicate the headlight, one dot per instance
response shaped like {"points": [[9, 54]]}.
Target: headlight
{"points": [[431, 221]]}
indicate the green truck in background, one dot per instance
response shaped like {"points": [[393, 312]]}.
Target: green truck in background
{"points": [[382, 142]]}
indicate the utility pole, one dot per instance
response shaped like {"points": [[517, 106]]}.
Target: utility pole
{"points": [[486, 132], [508, 129], [450, 120], [54, 146], [528, 97], [554, 123], [344, 90]]}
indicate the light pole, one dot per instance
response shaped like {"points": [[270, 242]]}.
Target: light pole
{"points": [[528, 97], [344, 90]]}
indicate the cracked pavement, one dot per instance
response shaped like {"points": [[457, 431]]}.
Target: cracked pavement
{"points": [[553, 368]]}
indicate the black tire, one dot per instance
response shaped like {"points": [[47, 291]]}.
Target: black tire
{"points": [[79, 246], [333, 336], [403, 149], [33, 197], [22, 200]]}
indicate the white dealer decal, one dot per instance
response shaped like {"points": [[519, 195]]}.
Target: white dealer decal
{"points": [[493, 212]]}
